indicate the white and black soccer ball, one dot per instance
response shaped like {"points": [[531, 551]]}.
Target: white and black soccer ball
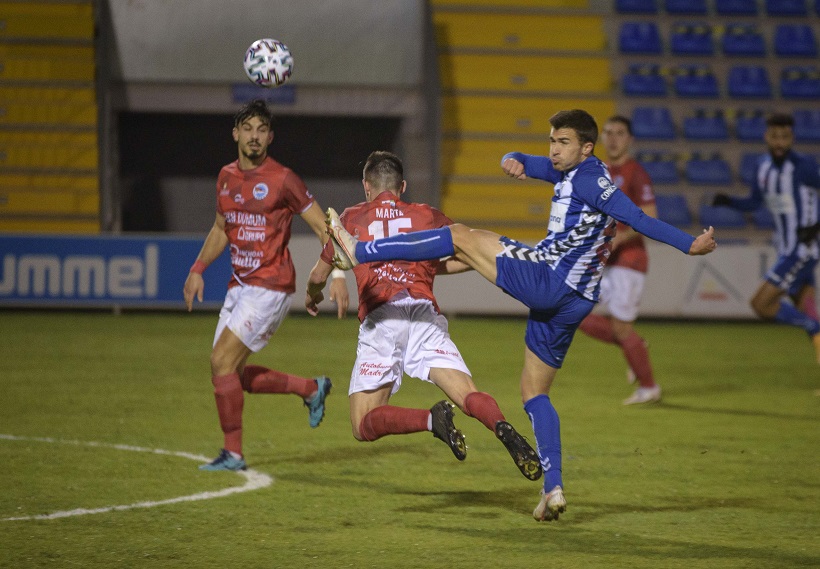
{"points": [[268, 63]]}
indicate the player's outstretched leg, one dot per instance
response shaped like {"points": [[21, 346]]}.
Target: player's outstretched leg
{"points": [[316, 404], [525, 457], [445, 430], [344, 244], [225, 461], [551, 505]]}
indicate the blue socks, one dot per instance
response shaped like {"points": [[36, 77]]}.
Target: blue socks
{"points": [[547, 429], [416, 246], [788, 314]]}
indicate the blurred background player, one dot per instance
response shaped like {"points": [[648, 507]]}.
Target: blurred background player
{"points": [[625, 271], [788, 183], [256, 200], [558, 279], [402, 330]]}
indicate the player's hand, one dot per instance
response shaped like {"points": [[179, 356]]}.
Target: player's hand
{"points": [[312, 302], [194, 287], [808, 234], [514, 169], [704, 243], [339, 295], [721, 200]]}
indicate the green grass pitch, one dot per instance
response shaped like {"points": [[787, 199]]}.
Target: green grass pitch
{"points": [[725, 472]]}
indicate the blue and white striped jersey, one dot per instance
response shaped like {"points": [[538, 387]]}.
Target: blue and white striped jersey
{"points": [[581, 224], [790, 191]]}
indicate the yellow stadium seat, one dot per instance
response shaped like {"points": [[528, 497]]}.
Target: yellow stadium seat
{"points": [[41, 224], [38, 113], [47, 20], [33, 202]]}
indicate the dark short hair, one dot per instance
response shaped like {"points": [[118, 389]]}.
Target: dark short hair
{"points": [[256, 108], [384, 170], [780, 119], [623, 120], [578, 120]]}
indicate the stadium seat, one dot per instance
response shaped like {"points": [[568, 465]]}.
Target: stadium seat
{"points": [[817, 6], [721, 217], [800, 82], [712, 170], [743, 40], [762, 218], [691, 39], [636, 6], [686, 6], [750, 125], [653, 123], [795, 40], [673, 209], [786, 7], [661, 168], [644, 80], [639, 37], [706, 125], [748, 167], [807, 125], [736, 7], [747, 81], [695, 81]]}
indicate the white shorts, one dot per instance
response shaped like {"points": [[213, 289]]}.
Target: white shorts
{"points": [[253, 313], [621, 290], [402, 336]]}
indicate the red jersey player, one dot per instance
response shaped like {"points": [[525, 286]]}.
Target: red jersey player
{"points": [[402, 330], [625, 271], [256, 200]]}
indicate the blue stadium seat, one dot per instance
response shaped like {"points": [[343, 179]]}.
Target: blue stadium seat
{"points": [[673, 209], [807, 125], [644, 80], [639, 37], [749, 81], [695, 81], [721, 217], [636, 6], [800, 82], [706, 125], [786, 7], [748, 167], [736, 7], [653, 123], [795, 40], [817, 6], [691, 39], [762, 218], [750, 125], [743, 40], [712, 170], [661, 168], [686, 6]]}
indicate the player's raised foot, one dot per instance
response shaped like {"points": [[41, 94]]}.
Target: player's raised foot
{"points": [[644, 395], [525, 457], [225, 461], [551, 505], [445, 430], [344, 244], [316, 404]]}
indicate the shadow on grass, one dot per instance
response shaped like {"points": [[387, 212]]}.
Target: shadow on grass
{"points": [[735, 412]]}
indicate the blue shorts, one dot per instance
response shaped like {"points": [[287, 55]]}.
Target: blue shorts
{"points": [[556, 310], [792, 272]]}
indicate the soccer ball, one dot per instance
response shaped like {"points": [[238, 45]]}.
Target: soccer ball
{"points": [[268, 63]]}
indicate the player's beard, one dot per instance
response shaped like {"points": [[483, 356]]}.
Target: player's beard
{"points": [[253, 154]]}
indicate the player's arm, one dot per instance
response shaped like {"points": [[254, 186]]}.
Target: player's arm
{"points": [[626, 233], [316, 284], [215, 243], [522, 166], [451, 266], [315, 218]]}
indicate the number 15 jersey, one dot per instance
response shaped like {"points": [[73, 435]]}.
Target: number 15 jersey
{"points": [[385, 216]]}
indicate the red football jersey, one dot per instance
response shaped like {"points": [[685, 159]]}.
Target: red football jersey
{"points": [[387, 215], [633, 180], [258, 206]]}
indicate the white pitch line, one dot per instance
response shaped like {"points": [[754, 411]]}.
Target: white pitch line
{"points": [[254, 480]]}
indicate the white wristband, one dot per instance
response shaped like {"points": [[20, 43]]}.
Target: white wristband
{"points": [[337, 274]]}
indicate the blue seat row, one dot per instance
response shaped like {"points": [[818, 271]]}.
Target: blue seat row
{"points": [[787, 8], [790, 40], [674, 209]]}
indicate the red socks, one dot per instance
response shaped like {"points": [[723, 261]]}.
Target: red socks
{"points": [[598, 327], [637, 357], [483, 407], [229, 403], [258, 379], [390, 420]]}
